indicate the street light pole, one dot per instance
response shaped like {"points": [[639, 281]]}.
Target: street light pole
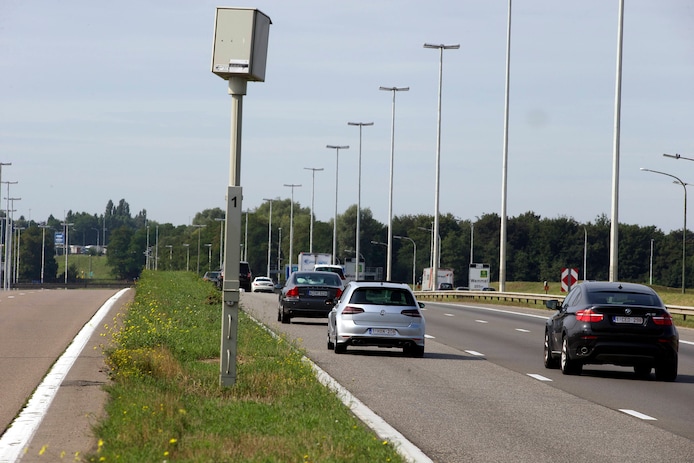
{"points": [[414, 258], [221, 221], [269, 237], [358, 232], [43, 248], [684, 229], [187, 246], [337, 149], [389, 258], [504, 168], [435, 259], [291, 225], [313, 188]]}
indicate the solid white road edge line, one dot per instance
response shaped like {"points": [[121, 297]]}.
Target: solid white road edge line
{"points": [[404, 447], [23, 428]]}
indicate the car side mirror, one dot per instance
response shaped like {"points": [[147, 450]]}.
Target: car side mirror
{"points": [[421, 304], [553, 304]]}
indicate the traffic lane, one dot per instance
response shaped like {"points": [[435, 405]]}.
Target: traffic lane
{"points": [[514, 340], [35, 328], [80, 400], [457, 407]]}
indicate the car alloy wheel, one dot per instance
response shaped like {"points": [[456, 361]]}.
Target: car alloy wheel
{"points": [[568, 366], [550, 360]]}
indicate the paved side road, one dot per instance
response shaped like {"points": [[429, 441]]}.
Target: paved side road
{"points": [[65, 433]]}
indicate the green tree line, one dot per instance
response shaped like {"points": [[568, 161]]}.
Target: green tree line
{"points": [[537, 248]]}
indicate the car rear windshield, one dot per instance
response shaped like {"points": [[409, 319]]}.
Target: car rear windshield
{"points": [[318, 278], [382, 296], [623, 298]]}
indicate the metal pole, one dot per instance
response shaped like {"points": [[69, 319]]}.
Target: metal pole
{"points": [[291, 226], [269, 237], [313, 188], [435, 232], [337, 177], [389, 258], [358, 231], [684, 228], [614, 226], [504, 168], [414, 258]]}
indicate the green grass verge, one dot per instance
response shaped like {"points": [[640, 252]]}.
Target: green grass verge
{"points": [[166, 403]]}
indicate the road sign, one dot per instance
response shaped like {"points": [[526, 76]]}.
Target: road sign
{"points": [[569, 277]]}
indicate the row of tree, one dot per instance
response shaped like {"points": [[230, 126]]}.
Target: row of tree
{"points": [[537, 248]]}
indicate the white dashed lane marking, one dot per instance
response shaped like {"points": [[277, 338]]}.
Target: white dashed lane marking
{"points": [[538, 377], [637, 414]]}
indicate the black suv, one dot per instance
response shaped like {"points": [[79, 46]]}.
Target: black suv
{"points": [[245, 276]]}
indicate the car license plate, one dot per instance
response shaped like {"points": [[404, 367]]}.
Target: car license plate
{"points": [[382, 331], [629, 320], [318, 293]]}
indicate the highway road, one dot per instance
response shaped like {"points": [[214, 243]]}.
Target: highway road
{"points": [[481, 392]]}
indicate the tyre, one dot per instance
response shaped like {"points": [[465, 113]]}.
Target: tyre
{"points": [[340, 348], [414, 351], [568, 366], [642, 371], [331, 344], [550, 360], [284, 316], [666, 370]]}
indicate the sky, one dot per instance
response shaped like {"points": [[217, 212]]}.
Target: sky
{"points": [[107, 101]]}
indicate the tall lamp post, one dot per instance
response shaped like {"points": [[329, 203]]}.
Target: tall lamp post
{"points": [[67, 245], [313, 188], [43, 248], [684, 228], [337, 149], [389, 254], [187, 246], [358, 232], [435, 259], [414, 257], [199, 233], [504, 168], [221, 221], [291, 225], [209, 255], [269, 237]]}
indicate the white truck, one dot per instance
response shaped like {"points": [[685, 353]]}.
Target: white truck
{"points": [[445, 275], [309, 260]]}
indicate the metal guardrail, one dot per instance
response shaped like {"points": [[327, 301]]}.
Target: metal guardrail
{"points": [[527, 298]]}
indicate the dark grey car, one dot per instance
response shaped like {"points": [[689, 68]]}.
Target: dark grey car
{"points": [[309, 294]]}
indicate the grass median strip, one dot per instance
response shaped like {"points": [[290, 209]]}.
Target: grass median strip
{"points": [[166, 403]]}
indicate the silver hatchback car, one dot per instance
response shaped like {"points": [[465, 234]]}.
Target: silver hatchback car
{"points": [[376, 313]]}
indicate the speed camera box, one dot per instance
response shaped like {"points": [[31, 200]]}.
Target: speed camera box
{"points": [[240, 43]]}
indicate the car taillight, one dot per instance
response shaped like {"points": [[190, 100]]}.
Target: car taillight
{"points": [[351, 310], [663, 320], [293, 292], [589, 316], [338, 293], [412, 313]]}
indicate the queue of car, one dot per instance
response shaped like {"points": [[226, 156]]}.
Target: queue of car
{"points": [[616, 323]]}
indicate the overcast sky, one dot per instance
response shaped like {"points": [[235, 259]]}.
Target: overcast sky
{"points": [[101, 101]]}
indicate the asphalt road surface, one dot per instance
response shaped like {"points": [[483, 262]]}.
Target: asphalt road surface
{"points": [[35, 329], [481, 392]]}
